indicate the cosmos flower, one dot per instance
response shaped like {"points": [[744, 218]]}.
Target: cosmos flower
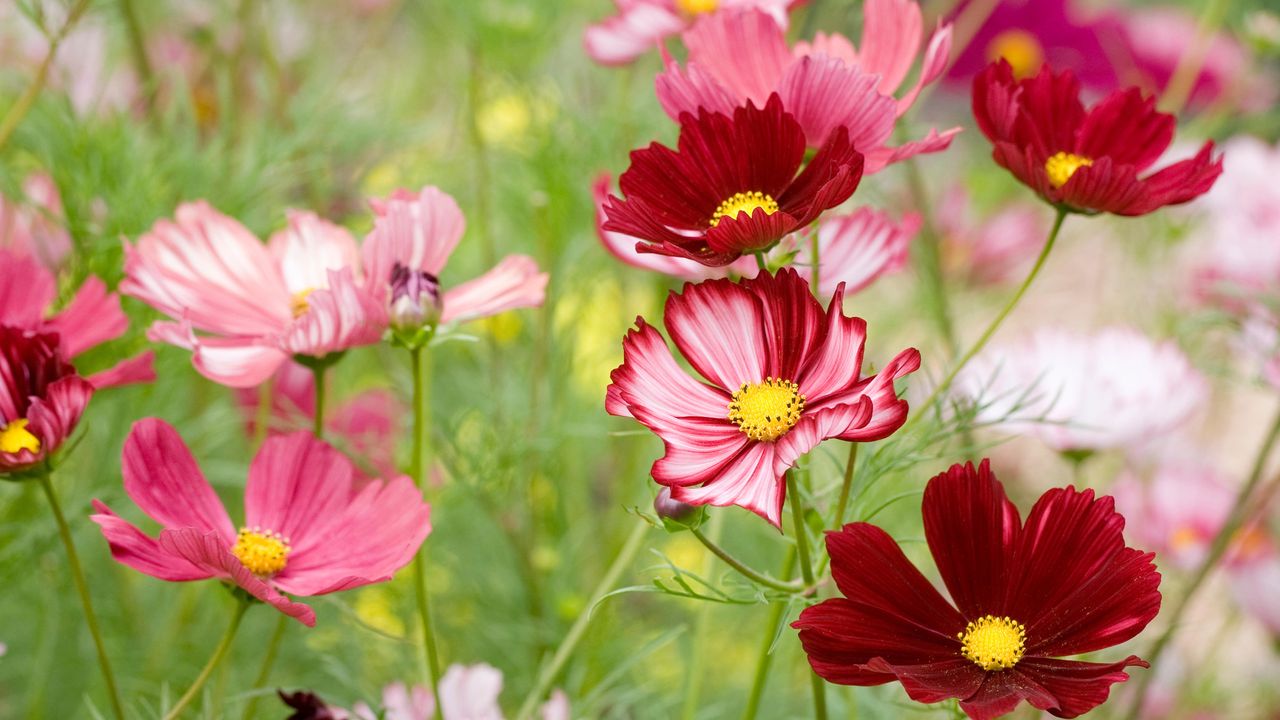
{"points": [[309, 528], [41, 398], [825, 84], [994, 249], [732, 187], [1085, 162], [781, 375], [92, 317], [642, 25], [1115, 388], [35, 228], [468, 692], [1255, 585], [1062, 583], [254, 305]]}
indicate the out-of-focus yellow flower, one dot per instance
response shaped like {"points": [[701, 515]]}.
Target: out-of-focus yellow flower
{"points": [[504, 328], [592, 315], [685, 552], [375, 609], [510, 117]]}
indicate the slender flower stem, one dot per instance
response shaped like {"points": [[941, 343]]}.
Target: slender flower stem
{"points": [[754, 576], [1240, 512], [945, 385], [815, 260], [806, 571], [579, 627], [317, 427], [760, 262], [27, 100], [86, 600], [138, 49], [268, 662], [1178, 91], [430, 654], [842, 505], [929, 254], [218, 653], [766, 657]]}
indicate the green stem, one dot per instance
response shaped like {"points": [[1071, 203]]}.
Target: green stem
{"points": [[138, 49], [697, 645], [760, 263], [218, 653], [1240, 510], [579, 627], [815, 259], [754, 576], [929, 255], [317, 426], [847, 485], [86, 600], [941, 389], [27, 100], [268, 662], [766, 657], [806, 571], [430, 654]]}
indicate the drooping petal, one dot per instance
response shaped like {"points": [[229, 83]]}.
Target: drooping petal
{"points": [[748, 482], [814, 427], [130, 546], [235, 362], [309, 248], [936, 57], [696, 450], [719, 328], [418, 231], [131, 371], [513, 283], [162, 478], [91, 318], [1178, 183], [1001, 692], [1076, 687], [882, 157]]}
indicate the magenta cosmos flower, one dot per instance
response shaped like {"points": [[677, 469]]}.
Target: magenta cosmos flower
{"points": [[782, 375], [309, 528], [825, 84], [41, 398], [642, 25], [93, 317], [732, 187], [1062, 583], [254, 305]]}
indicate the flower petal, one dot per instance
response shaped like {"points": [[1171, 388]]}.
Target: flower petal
{"points": [[857, 248], [235, 362], [339, 317], [297, 485], [1075, 687], [131, 371], [309, 248], [26, 288], [130, 546], [513, 283], [636, 29], [54, 416], [162, 478], [718, 326], [748, 482], [890, 411], [745, 51], [419, 231], [1107, 609], [1127, 128], [891, 32], [650, 378], [824, 94]]}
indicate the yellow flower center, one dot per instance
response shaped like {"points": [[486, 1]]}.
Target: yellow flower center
{"points": [[993, 643], [697, 7], [299, 302], [1061, 166], [265, 553], [1020, 49], [1185, 537], [15, 437], [766, 411], [744, 202]]}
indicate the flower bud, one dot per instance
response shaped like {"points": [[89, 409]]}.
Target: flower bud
{"points": [[415, 298], [672, 511]]}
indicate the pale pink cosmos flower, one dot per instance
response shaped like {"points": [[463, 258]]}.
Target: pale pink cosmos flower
{"points": [[1178, 512], [996, 249], [642, 25], [253, 306], [419, 231], [91, 318], [35, 227], [1255, 585], [825, 84], [468, 692], [309, 528], [1115, 388], [780, 375]]}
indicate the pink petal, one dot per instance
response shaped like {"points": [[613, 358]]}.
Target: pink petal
{"points": [[697, 450], [471, 693], [341, 316], [419, 231], [824, 93], [210, 269], [638, 27], [750, 482], [130, 546], [162, 478], [744, 51], [91, 318], [296, 485], [817, 426], [513, 283], [235, 362], [890, 39], [693, 88], [309, 248], [719, 328], [857, 248], [935, 63], [26, 289], [131, 371], [890, 411], [55, 416], [650, 378], [882, 157], [837, 365]]}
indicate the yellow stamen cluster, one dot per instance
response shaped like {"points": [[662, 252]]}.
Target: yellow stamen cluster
{"points": [[993, 643], [299, 302], [766, 411], [744, 202], [265, 553], [15, 437], [1061, 166], [697, 7], [1020, 49]]}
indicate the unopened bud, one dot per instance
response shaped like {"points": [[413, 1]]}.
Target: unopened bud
{"points": [[415, 298], [668, 508]]}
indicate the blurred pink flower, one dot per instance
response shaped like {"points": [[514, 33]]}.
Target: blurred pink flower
{"points": [[996, 249], [41, 398], [35, 228], [468, 692], [1114, 388], [419, 231], [826, 84], [303, 295], [1255, 586], [642, 25], [309, 529], [93, 317], [1258, 343]]}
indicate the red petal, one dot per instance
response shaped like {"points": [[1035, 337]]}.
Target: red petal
{"points": [[836, 365], [1111, 607], [1001, 692], [743, 233], [1075, 687], [1104, 186], [1050, 112], [794, 323], [718, 326], [1179, 183], [749, 482], [1126, 128], [673, 190]]}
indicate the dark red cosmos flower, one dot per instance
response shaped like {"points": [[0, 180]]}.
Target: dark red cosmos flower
{"points": [[731, 188], [1085, 162], [1061, 584], [41, 398]]}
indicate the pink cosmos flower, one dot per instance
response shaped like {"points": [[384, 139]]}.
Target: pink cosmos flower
{"points": [[309, 529], [826, 84], [366, 425], [468, 692], [1255, 586], [419, 232], [34, 228], [641, 25], [41, 398], [782, 375], [996, 249], [1258, 343], [1115, 388], [255, 306], [93, 317]]}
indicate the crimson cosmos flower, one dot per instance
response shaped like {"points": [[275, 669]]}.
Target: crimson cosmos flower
{"points": [[1085, 161], [1061, 584], [784, 375], [41, 398], [731, 188]]}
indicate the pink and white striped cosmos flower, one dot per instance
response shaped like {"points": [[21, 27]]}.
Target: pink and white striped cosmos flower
{"points": [[782, 375], [419, 231], [91, 318], [255, 305], [642, 25], [310, 528], [825, 84]]}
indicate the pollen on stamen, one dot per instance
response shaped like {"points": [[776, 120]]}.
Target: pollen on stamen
{"points": [[264, 552], [744, 203], [993, 643], [1061, 166], [697, 7], [15, 437], [298, 303], [767, 410]]}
